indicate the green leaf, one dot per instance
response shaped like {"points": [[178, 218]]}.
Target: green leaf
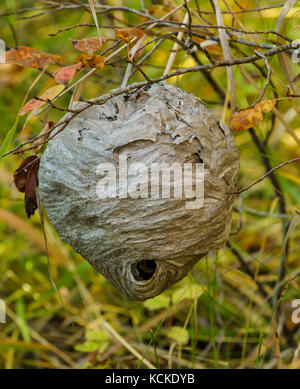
{"points": [[158, 302], [21, 312], [179, 334], [89, 346], [187, 292], [8, 138], [96, 335], [95, 340]]}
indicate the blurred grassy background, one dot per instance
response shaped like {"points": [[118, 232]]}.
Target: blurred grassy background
{"points": [[215, 317]]}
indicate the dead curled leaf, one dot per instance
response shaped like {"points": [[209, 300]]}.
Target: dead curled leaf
{"points": [[31, 202], [89, 45], [92, 61], [249, 117], [21, 173], [29, 57], [26, 180], [127, 34]]}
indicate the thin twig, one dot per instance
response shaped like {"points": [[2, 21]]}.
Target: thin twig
{"points": [[267, 81], [265, 176], [55, 106]]}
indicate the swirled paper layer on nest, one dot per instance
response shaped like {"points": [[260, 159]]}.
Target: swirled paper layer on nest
{"points": [[141, 245]]}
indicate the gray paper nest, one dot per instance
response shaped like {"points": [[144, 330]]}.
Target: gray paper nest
{"points": [[141, 245]]}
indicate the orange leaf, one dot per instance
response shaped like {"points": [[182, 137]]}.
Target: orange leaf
{"points": [[89, 45], [29, 57], [49, 94], [30, 106], [126, 34], [66, 74], [92, 61], [249, 117]]}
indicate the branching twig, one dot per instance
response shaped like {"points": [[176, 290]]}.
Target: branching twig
{"points": [[55, 106], [117, 92]]}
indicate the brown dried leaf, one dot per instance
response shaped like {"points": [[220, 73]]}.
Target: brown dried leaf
{"points": [[249, 117], [49, 94], [89, 45], [92, 61], [126, 34], [66, 74], [29, 57], [31, 202], [20, 174]]}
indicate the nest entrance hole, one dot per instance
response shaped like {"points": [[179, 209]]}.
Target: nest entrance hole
{"points": [[144, 270]]}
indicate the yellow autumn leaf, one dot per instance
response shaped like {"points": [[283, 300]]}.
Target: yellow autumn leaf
{"points": [[92, 61], [249, 117], [127, 34]]}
